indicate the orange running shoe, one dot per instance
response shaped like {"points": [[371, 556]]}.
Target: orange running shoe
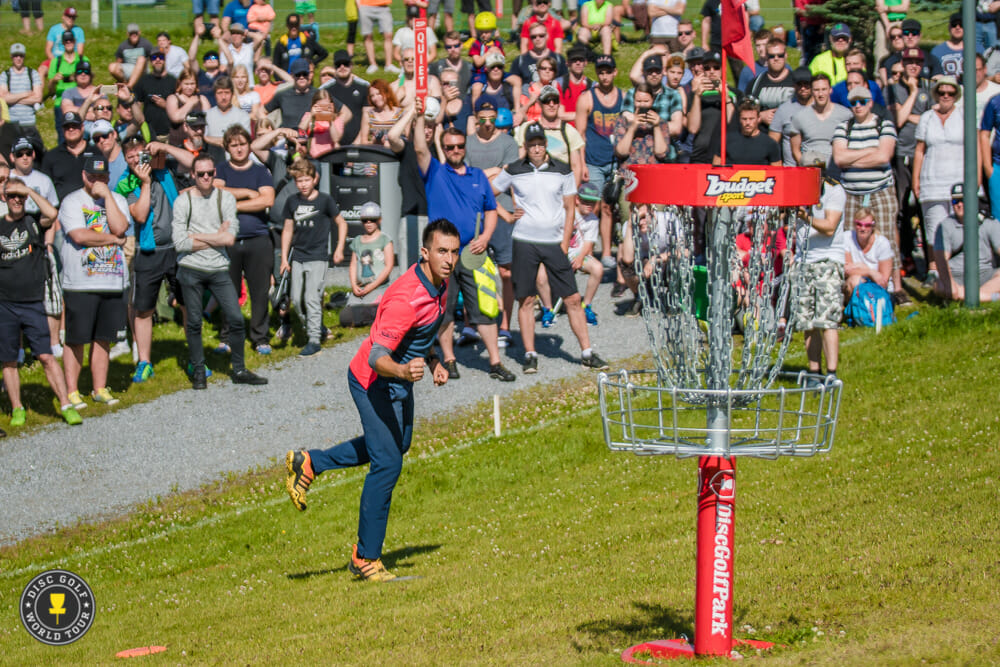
{"points": [[369, 570]]}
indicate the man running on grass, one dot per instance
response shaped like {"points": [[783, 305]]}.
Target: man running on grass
{"points": [[380, 379]]}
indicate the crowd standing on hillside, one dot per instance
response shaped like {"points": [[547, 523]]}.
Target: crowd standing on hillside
{"points": [[197, 168]]}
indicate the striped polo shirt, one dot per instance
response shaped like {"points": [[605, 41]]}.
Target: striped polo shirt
{"points": [[405, 326], [858, 136]]}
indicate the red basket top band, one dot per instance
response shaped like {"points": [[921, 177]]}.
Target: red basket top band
{"points": [[730, 185]]}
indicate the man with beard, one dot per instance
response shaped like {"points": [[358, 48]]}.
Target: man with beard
{"points": [[463, 194]]}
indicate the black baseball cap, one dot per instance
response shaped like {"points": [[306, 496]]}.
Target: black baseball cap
{"points": [[83, 67], [68, 36], [95, 164], [912, 25], [801, 75], [533, 131], [195, 118], [71, 118], [652, 62], [341, 57], [604, 61]]}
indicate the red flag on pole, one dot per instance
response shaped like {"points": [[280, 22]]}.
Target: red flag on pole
{"points": [[420, 53], [736, 38]]}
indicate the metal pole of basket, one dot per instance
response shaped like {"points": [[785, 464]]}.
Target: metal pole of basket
{"points": [[705, 398]]}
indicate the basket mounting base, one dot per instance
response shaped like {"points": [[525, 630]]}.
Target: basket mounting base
{"points": [[670, 649]]}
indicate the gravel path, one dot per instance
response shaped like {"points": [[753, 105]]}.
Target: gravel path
{"points": [[60, 475]]}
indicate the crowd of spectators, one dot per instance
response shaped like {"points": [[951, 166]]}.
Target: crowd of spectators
{"points": [[197, 167]]}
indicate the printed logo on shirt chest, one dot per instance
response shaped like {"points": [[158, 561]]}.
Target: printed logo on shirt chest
{"points": [[304, 214], [15, 246]]}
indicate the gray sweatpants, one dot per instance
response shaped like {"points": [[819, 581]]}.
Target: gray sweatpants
{"points": [[309, 301]]}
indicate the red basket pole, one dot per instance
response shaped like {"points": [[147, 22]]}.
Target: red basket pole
{"points": [[713, 613]]}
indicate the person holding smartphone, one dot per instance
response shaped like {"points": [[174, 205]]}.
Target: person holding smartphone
{"points": [[640, 136]]}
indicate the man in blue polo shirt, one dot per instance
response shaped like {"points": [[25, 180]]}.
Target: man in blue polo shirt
{"points": [[463, 195]]}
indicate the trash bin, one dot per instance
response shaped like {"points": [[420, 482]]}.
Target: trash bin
{"points": [[351, 191]]}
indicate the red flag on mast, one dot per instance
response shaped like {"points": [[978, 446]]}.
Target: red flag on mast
{"points": [[736, 38]]}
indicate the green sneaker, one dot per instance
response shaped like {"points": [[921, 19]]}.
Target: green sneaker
{"points": [[18, 417], [71, 416]]}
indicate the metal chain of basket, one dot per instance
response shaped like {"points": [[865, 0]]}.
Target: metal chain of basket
{"points": [[690, 310]]}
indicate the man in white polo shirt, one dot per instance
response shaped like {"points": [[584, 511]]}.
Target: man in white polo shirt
{"points": [[545, 192]]}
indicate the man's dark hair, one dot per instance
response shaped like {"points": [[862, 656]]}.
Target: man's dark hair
{"points": [[821, 76], [453, 131], [293, 19], [202, 157], [224, 82], [442, 226], [232, 132]]}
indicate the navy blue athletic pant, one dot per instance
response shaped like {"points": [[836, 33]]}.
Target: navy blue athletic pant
{"points": [[386, 410]]}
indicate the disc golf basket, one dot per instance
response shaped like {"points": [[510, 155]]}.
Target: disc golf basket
{"points": [[706, 396]]}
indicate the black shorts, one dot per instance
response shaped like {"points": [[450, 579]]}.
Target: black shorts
{"points": [[469, 6], [94, 316], [31, 8], [23, 318], [524, 270], [151, 269], [463, 279]]}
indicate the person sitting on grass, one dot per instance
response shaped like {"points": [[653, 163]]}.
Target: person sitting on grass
{"points": [[868, 256], [308, 215], [948, 242], [22, 291], [372, 258]]}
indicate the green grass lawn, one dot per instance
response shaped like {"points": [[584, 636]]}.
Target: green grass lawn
{"points": [[541, 546]]}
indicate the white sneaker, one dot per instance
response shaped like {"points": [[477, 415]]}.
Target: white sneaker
{"points": [[118, 349], [372, 69], [392, 68], [57, 351]]}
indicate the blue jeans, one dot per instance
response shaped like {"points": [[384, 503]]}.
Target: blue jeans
{"points": [[193, 285], [386, 410], [986, 34]]}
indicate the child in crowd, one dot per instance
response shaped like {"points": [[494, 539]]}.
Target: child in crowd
{"points": [[372, 258], [581, 248], [486, 41], [309, 215]]}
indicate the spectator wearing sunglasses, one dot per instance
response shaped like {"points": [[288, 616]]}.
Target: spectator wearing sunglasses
{"points": [[131, 57], [863, 148], [554, 32], [453, 60], [949, 242], [938, 161], [911, 30], [204, 225], [151, 93], [831, 62], [21, 89], [295, 101]]}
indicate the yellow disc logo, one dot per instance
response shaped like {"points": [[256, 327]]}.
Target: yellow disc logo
{"points": [[57, 607]]}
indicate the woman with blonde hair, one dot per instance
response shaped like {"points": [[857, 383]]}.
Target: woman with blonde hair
{"points": [[868, 255], [246, 98]]}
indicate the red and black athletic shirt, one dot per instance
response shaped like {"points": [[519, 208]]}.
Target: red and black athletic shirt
{"points": [[405, 326]]}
